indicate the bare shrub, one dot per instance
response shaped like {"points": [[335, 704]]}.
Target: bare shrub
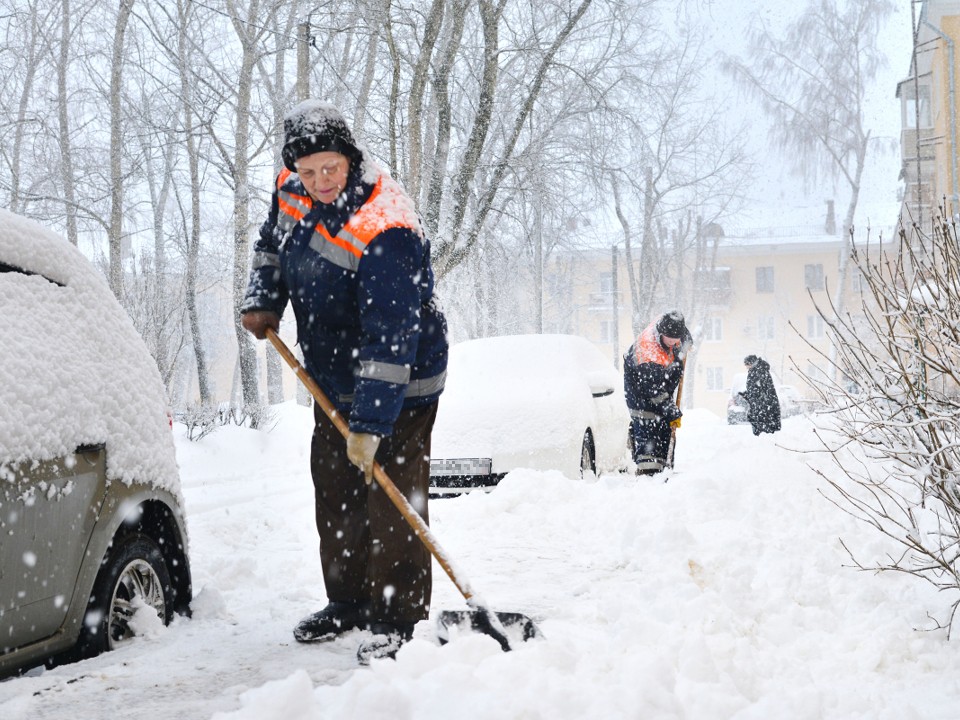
{"points": [[891, 418]]}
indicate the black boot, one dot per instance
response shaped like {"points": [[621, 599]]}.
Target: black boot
{"points": [[386, 641], [335, 619]]}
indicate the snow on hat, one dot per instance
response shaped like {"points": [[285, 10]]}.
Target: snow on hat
{"points": [[672, 325], [750, 360], [314, 126]]}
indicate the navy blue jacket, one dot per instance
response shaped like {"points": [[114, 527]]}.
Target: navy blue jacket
{"points": [[651, 374], [358, 275]]}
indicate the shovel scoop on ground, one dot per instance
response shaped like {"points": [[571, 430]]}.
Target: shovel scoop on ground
{"points": [[507, 628]]}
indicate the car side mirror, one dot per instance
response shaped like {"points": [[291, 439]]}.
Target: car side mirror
{"points": [[599, 382]]}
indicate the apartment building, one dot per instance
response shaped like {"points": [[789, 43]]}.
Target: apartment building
{"points": [[760, 298], [928, 107]]}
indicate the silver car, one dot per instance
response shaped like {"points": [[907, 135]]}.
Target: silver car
{"points": [[91, 516]]}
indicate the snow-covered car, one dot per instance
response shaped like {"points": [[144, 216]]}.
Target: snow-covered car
{"points": [[93, 532], [527, 401]]}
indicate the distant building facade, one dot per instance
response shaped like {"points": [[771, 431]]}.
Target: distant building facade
{"points": [[928, 108], [761, 297]]}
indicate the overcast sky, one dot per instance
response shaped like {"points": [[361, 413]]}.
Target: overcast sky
{"points": [[727, 23]]}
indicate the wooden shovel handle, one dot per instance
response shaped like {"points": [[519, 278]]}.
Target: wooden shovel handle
{"points": [[412, 517]]}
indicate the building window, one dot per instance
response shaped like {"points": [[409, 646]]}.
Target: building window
{"points": [[765, 279], [813, 276], [713, 284], [713, 330], [606, 331], [715, 379], [910, 108], [765, 327], [814, 327], [606, 282]]}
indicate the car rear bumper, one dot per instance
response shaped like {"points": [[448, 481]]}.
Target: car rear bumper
{"points": [[455, 476]]}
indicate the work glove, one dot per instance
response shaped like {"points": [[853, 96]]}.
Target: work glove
{"points": [[670, 412], [675, 424], [256, 322], [361, 447]]}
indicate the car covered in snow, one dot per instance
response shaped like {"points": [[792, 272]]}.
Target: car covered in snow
{"points": [[92, 531], [527, 401]]}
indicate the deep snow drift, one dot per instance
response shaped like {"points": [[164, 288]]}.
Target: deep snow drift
{"points": [[723, 593]]}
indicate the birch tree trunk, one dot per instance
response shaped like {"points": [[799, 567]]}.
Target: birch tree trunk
{"points": [[193, 226], [63, 118], [115, 236], [418, 86]]}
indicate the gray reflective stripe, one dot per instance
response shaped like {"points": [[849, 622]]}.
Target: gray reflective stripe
{"points": [[334, 253], [426, 386], [388, 372], [415, 388], [660, 398], [263, 259], [644, 415], [294, 202], [285, 223], [351, 240]]}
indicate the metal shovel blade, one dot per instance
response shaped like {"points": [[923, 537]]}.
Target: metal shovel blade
{"points": [[517, 628]]}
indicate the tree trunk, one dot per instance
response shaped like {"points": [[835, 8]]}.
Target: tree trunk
{"points": [[441, 81], [450, 255], [418, 86], [32, 59], [115, 237], [63, 116], [369, 69], [193, 231]]}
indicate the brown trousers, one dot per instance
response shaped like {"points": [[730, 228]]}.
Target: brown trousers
{"points": [[369, 552]]}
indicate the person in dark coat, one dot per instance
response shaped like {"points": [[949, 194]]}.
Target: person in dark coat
{"points": [[763, 405], [652, 370], [343, 244]]}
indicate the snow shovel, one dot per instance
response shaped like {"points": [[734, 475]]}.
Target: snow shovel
{"points": [[501, 626], [673, 430]]}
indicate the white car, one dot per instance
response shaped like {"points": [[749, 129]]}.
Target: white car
{"points": [[527, 401]]}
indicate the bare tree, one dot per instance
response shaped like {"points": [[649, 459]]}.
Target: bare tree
{"points": [[893, 415], [32, 21], [812, 83]]}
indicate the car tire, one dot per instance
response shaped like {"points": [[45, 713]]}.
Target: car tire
{"points": [[588, 454], [133, 571]]}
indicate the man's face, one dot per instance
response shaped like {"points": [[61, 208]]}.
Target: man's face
{"points": [[324, 174], [669, 341]]}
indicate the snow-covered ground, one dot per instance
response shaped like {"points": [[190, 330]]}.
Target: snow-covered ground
{"points": [[723, 593]]}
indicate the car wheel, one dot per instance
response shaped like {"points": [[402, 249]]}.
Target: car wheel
{"points": [[133, 576], [588, 455]]}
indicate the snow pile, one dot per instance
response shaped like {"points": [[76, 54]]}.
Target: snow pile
{"points": [[723, 593]]}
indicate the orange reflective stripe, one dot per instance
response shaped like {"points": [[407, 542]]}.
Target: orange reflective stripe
{"points": [[340, 242], [364, 226], [290, 210]]}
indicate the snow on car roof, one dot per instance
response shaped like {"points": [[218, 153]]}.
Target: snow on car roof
{"points": [[73, 369]]}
